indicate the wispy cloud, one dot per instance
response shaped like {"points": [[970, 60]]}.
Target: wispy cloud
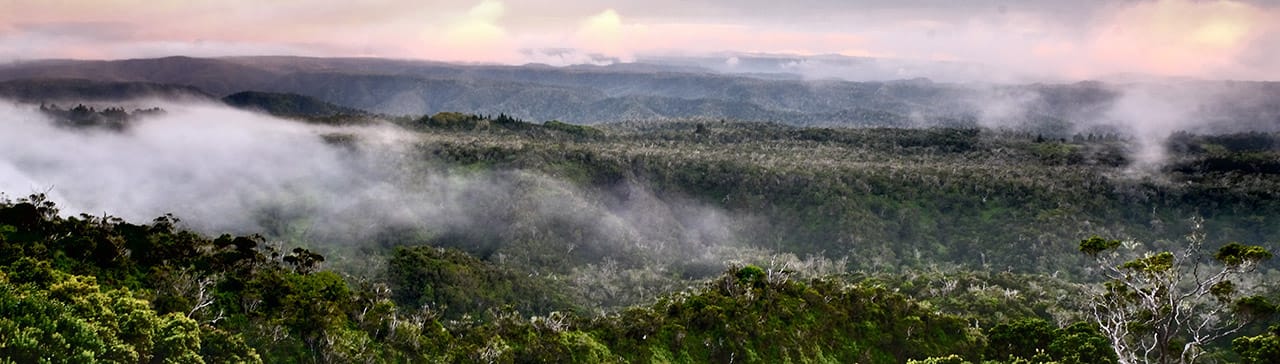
{"points": [[1209, 39]]}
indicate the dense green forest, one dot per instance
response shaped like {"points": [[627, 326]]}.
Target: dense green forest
{"points": [[761, 243], [114, 291], [891, 198]]}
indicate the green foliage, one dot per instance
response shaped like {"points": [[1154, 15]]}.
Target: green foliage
{"points": [[756, 319], [241, 302], [1236, 254], [1081, 342], [1254, 306], [949, 359], [584, 348], [178, 340], [37, 329], [1260, 349], [110, 118], [503, 124], [1223, 290], [920, 198], [1037, 341], [303, 260], [454, 120], [977, 198], [75, 320], [1096, 245], [220, 346], [1020, 338], [573, 129], [750, 275], [457, 284], [1152, 264], [1170, 307], [85, 286], [290, 105]]}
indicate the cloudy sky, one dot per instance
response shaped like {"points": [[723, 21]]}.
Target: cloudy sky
{"points": [[1070, 38]]}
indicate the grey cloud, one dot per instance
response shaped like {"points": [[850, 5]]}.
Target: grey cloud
{"points": [[87, 30], [224, 170]]}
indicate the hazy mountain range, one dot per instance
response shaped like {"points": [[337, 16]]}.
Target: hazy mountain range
{"points": [[662, 88]]}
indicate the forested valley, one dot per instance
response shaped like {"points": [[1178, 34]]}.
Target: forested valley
{"points": [[486, 238]]}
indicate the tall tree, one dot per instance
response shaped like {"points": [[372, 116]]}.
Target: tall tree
{"points": [[1163, 307]]}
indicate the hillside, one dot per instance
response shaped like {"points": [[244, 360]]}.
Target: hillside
{"points": [[53, 90], [286, 104], [588, 94], [122, 292], [886, 197], [459, 238]]}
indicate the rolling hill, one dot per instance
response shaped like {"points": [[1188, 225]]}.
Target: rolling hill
{"points": [[286, 104], [69, 89], [597, 94]]}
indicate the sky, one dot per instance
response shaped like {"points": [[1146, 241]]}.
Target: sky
{"points": [[1067, 39]]}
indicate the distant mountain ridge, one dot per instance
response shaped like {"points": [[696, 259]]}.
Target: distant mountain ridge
{"points": [[79, 90], [595, 94]]}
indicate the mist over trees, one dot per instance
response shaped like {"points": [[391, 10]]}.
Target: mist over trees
{"points": [[303, 229], [585, 94]]}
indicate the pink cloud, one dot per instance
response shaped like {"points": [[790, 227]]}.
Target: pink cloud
{"points": [[1180, 37], [1158, 36], [1174, 37], [612, 35]]}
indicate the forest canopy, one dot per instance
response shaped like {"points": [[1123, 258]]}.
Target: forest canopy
{"points": [[679, 241]]}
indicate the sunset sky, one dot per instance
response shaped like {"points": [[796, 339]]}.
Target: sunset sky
{"points": [[1071, 39]]}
